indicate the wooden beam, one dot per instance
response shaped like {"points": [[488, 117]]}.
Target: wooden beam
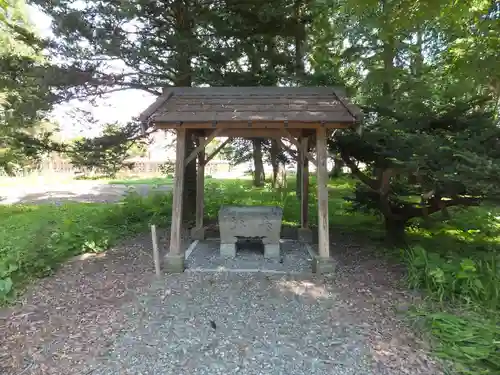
{"points": [[309, 155], [322, 181], [217, 150], [254, 133], [304, 194], [254, 125], [203, 143], [175, 229]]}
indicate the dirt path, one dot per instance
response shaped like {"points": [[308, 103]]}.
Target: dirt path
{"points": [[109, 315], [78, 191]]}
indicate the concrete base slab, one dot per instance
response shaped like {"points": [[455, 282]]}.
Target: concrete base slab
{"points": [[198, 233], [174, 263], [305, 235], [323, 265], [271, 251], [228, 250]]}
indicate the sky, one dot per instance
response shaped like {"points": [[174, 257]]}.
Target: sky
{"points": [[117, 107]]}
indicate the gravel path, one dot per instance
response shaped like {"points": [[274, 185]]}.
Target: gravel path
{"points": [[80, 191], [239, 324], [109, 315]]}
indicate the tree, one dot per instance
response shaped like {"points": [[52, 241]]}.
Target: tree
{"points": [[410, 64], [170, 42], [24, 97], [425, 162], [105, 155]]}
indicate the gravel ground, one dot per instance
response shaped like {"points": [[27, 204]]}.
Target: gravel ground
{"points": [[294, 258], [238, 324], [109, 315]]}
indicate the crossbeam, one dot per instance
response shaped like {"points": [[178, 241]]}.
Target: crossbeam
{"points": [[217, 150], [296, 143], [203, 143]]}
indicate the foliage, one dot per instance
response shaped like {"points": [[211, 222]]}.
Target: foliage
{"points": [[426, 160], [24, 97], [105, 155], [469, 341], [457, 263], [464, 280], [167, 168]]}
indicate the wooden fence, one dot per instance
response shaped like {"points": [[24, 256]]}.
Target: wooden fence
{"points": [[138, 168]]}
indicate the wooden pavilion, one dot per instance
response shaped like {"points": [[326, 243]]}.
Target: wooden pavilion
{"points": [[302, 115]]}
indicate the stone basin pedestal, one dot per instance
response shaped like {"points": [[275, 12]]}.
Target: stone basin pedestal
{"points": [[262, 222]]}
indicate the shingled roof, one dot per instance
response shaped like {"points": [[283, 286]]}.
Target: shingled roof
{"points": [[254, 104]]}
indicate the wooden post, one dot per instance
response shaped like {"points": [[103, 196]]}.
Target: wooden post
{"points": [[156, 252], [322, 181], [304, 233], [175, 257], [304, 212], [298, 187], [198, 232]]}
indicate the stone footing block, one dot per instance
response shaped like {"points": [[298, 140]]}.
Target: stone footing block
{"points": [[198, 233], [323, 265], [305, 235], [174, 263], [272, 251], [228, 250]]}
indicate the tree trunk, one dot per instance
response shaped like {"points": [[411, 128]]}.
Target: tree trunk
{"points": [[258, 174], [300, 40], [418, 57], [395, 232], [298, 181], [274, 161], [337, 167], [183, 67], [189, 193], [388, 53]]}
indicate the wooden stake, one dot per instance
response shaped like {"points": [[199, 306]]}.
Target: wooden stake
{"points": [[156, 252]]}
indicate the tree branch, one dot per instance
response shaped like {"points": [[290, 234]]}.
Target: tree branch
{"points": [[372, 183], [439, 204]]}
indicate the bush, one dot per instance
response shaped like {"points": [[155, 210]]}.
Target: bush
{"points": [[465, 331], [456, 279], [469, 341]]}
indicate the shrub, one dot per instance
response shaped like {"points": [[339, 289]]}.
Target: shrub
{"points": [[457, 279]]}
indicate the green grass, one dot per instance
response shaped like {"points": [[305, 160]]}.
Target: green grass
{"points": [[143, 181], [456, 261]]}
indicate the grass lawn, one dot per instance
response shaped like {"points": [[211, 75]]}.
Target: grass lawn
{"points": [[143, 181], [456, 261], [155, 180]]}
